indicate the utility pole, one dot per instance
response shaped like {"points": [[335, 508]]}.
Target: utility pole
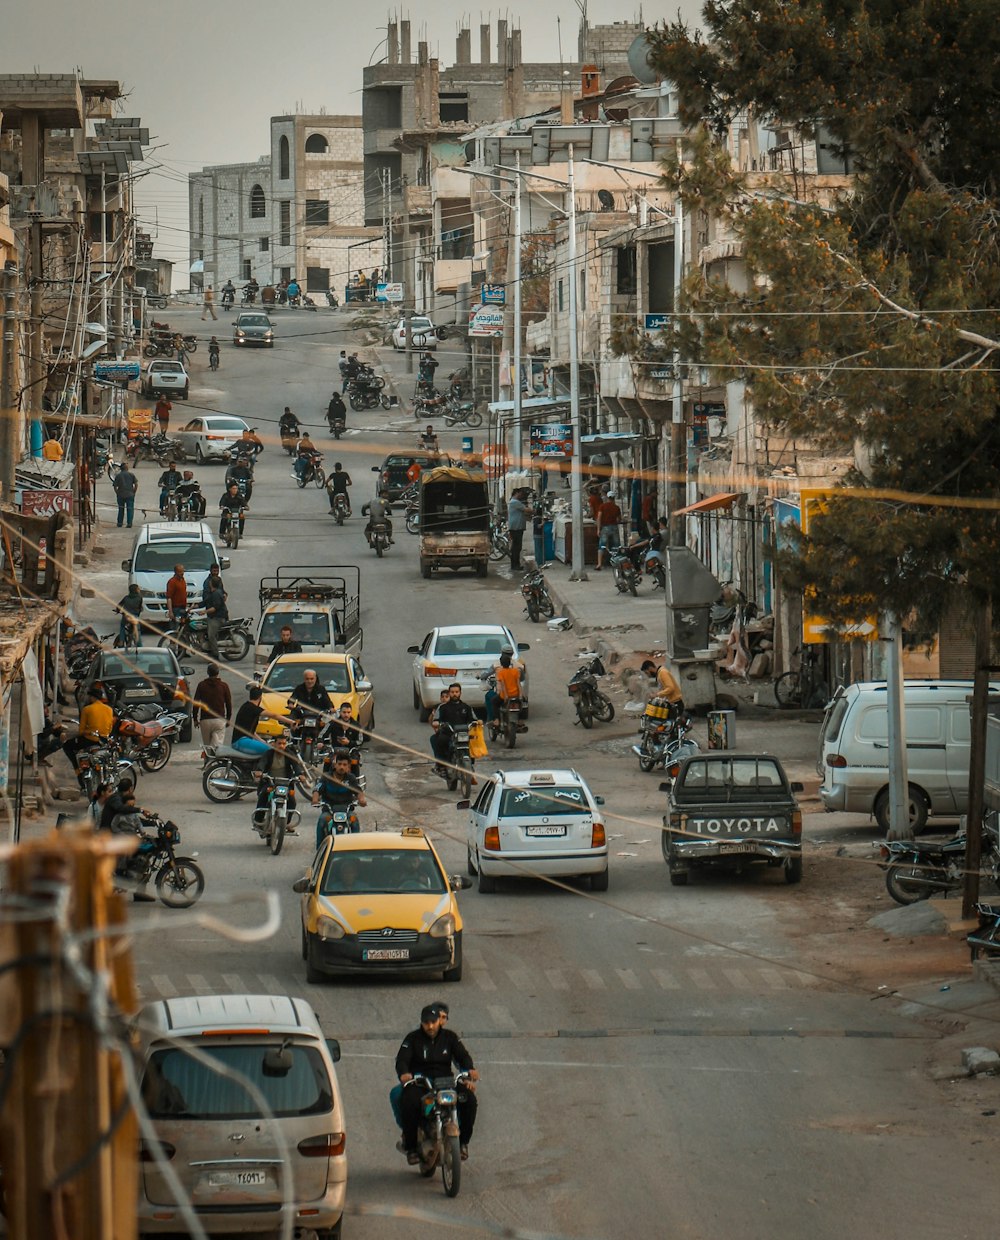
{"points": [[9, 418], [677, 475], [36, 353], [900, 827], [68, 1130], [977, 757], [516, 242], [579, 572]]}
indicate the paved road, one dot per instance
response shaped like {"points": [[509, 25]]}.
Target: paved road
{"points": [[654, 1063]]}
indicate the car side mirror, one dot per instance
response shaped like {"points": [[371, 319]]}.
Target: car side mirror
{"points": [[126, 565], [664, 786], [462, 804], [459, 882], [598, 800], [301, 885], [333, 1046], [187, 670], [412, 649], [524, 646], [375, 469], [364, 686], [224, 562], [798, 786]]}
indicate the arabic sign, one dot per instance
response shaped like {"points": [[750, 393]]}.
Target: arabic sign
{"points": [[486, 321], [389, 292], [662, 372], [116, 371], [656, 322], [39, 503], [551, 439], [493, 294]]}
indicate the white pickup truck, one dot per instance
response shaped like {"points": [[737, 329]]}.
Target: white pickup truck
{"points": [[321, 605]]}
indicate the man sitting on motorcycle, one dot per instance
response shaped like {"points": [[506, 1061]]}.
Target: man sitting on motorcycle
{"points": [[228, 293], [434, 1051], [378, 514], [169, 481], [189, 496], [281, 765], [249, 445], [454, 713], [213, 351], [233, 507], [337, 484], [309, 699], [336, 411], [337, 789], [249, 715], [241, 473], [250, 291], [288, 426], [508, 681], [96, 721], [305, 450], [287, 644], [344, 731]]}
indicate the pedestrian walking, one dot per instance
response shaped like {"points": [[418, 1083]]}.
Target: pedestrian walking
{"points": [[213, 707], [126, 484], [518, 513], [162, 414], [207, 305], [215, 607]]}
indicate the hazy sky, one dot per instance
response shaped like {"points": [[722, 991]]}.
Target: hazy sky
{"points": [[206, 75]]}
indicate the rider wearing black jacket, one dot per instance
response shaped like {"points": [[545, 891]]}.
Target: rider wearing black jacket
{"points": [[455, 713], [434, 1051], [309, 699]]}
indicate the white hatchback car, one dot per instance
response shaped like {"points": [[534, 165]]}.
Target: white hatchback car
{"points": [[209, 438], [460, 653], [423, 333], [526, 824], [165, 377]]}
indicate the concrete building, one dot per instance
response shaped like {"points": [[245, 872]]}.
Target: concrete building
{"points": [[297, 211]]}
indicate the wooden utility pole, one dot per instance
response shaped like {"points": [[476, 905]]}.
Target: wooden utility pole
{"points": [[977, 757], [68, 1136]]}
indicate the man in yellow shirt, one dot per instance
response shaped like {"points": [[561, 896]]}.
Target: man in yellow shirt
{"points": [[96, 721], [52, 449], [666, 686]]}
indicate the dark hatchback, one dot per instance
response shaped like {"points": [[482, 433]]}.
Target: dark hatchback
{"points": [[392, 479], [148, 675]]}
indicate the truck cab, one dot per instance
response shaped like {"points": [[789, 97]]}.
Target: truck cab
{"points": [[320, 605]]}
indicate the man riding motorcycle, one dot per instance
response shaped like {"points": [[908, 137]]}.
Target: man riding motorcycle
{"points": [[378, 514], [344, 731], [280, 765], [305, 450], [336, 411], [337, 484], [456, 714], [337, 789], [169, 481], [233, 504], [228, 293], [240, 474], [288, 428], [309, 700], [434, 1052]]}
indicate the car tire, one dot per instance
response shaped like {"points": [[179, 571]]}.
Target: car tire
{"points": [[199, 456], [599, 882], [305, 946], [793, 870], [469, 863], [487, 884], [187, 731], [917, 809], [314, 974], [417, 704], [454, 974]]}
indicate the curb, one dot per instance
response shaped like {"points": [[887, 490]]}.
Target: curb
{"points": [[608, 649]]}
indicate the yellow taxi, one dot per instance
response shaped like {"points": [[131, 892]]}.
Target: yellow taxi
{"points": [[380, 902], [341, 675]]}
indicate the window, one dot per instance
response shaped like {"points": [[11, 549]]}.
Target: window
{"points": [[285, 227], [258, 207], [246, 269], [317, 279], [283, 159], [626, 282], [559, 298], [201, 217], [454, 106], [264, 244], [317, 212], [316, 144], [285, 676], [285, 273], [661, 278]]}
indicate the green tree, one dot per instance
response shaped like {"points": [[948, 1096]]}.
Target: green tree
{"points": [[869, 323]]}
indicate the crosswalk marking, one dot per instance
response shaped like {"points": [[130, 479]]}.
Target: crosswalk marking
{"points": [[737, 978], [665, 980], [273, 985], [702, 979], [629, 979], [233, 983], [593, 979], [521, 979], [163, 984], [775, 978], [199, 985], [501, 1016], [557, 979]]}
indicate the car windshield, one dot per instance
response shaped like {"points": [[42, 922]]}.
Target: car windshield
{"points": [[225, 424], [404, 871], [161, 557], [470, 643], [254, 320], [286, 676], [309, 627], [730, 778], [544, 802], [140, 662], [398, 462], [177, 1084], [167, 368]]}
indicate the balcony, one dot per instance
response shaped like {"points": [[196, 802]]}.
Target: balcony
{"points": [[449, 273], [416, 201]]}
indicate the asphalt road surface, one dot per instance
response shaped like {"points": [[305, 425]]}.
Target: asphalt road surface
{"points": [[653, 1061]]}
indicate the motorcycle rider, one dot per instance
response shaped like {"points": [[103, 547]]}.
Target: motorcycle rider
{"points": [[288, 426], [233, 503], [344, 731], [434, 1051], [455, 714], [287, 644], [228, 293], [337, 484], [305, 450], [96, 721], [293, 290], [241, 472], [378, 514], [169, 481], [281, 765], [250, 291], [249, 445], [213, 353], [189, 495], [309, 699], [336, 411], [212, 582], [336, 788], [508, 682], [249, 715]]}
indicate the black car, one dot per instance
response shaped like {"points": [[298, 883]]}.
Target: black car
{"points": [[392, 479], [147, 675]]}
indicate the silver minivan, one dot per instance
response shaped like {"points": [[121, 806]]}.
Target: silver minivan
{"points": [[854, 749], [243, 1094]]}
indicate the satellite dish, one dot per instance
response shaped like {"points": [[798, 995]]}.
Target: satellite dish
{"points": [[638, 60], [606, 199]]}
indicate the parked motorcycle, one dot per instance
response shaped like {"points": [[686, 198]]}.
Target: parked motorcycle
{"points": [[338, 506], [499, 541], [378, 539], [462, 413], [626, 575], [148, 735], [589, 701], [105, 764], [438, 1134], [537, 601], [179, 881], [190, 633], [918, 869], [664, 742], [985, 939]]}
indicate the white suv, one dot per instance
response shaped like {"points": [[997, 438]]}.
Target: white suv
{"points": [[525, 824]]}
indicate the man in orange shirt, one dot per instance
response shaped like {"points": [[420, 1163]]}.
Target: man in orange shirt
{"points": [[177, 593], [508, 678], [413, 472]]}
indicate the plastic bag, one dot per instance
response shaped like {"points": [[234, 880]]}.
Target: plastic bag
{"points": [[477, 741]]}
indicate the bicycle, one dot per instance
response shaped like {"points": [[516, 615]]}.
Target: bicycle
{"points": [[804, 688]]}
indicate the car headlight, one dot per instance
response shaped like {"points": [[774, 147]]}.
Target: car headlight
{"points": [[269, 335], [240, 334], [329, 928], [444, 927]]}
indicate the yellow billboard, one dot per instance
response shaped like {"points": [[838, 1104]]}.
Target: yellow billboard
{"points": [[816, 629]]}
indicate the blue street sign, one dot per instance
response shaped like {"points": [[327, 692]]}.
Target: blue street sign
{"points": [[662, 372], [116, 372], [493, 294], [656, 322]]}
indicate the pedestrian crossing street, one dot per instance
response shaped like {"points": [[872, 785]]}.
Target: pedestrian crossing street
{"points": [[723, 975]]}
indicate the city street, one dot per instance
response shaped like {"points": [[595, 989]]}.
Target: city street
{"points": [[697, 1063]]}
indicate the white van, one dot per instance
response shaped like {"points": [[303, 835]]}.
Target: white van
{"points": [[253, 1127], [854, 749], [158, 546]]}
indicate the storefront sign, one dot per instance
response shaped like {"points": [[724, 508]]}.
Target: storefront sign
{"points": [[662, 372], [44, 503], [493, 294], [389, 292], [552, 440], [116, 372], [486, 321], [657, 322], [701, 412]]}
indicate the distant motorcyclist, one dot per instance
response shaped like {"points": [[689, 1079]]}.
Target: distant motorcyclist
{"points": [[169, 481], [241, 473], [336, 788], [305, 451], [336, 410], [434, 1052], [280, 765], [213, 353], [352, 367], [508, 682], [250, 291], [249, 444], [233, 507], [288, 424], [293, 290], [378, 514], [337, 484]]}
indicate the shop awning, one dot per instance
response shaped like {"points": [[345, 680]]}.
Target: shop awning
{"points": [[611, 441], [528, 403], [711, 503]]}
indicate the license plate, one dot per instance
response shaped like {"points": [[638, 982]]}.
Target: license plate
{"points": [[386, 953], [140, 693], [737, 848], [544, 830], [242, 1179]]}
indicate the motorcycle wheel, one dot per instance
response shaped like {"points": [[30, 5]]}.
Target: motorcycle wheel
{"points": [[989, 947], [534, 615], [221, 770], [156, 757], [378, 548], [413, 523], [357, 402], [234, 646], [473, 418], [584, 712], [190, 344], [150, 350], [384, 401], [277, 835], [451, 1166], [180, 883], [300, 481], [510, 733], [319, 478], [604, 709], [546, 606], [904, 892], [465, 779], [233, 537], [787, 689], [499, 548], [647, 762], [630, 582]]}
